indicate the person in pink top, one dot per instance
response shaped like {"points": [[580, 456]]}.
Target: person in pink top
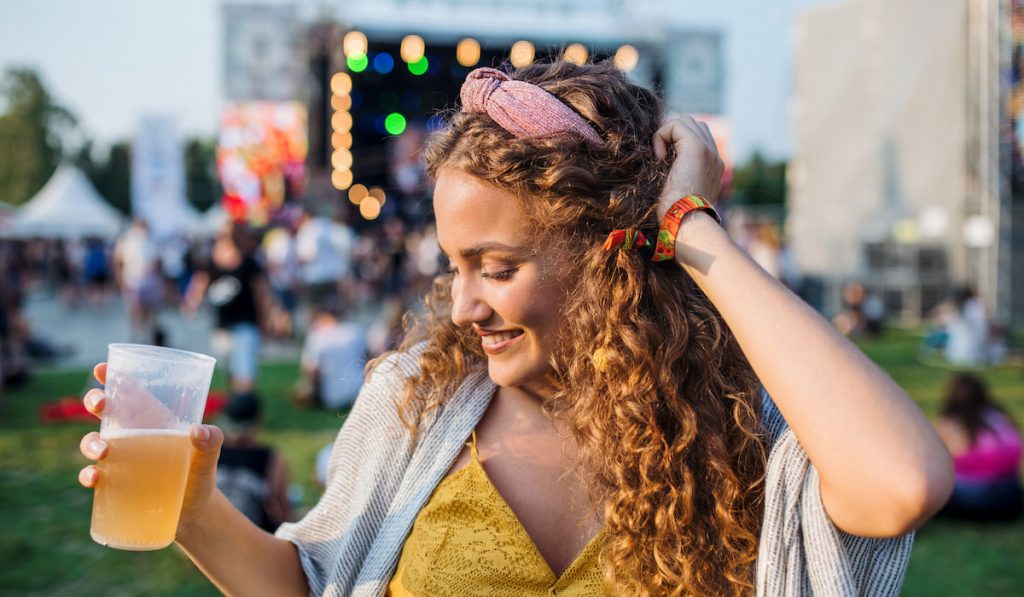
{"points": [[986, 448]]}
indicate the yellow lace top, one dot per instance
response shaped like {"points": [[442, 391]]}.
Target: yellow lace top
{"points": [[467, 541]]}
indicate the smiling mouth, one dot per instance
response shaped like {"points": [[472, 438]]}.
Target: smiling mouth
{"points": [[497, 342]]}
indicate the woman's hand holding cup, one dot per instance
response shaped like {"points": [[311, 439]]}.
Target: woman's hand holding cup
{"points": [[205, 441]]}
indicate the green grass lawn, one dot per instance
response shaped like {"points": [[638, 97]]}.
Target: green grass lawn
{"points": [[46, 549]]}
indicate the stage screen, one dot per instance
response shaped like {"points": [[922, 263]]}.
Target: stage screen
{"points": [[261, 158]]}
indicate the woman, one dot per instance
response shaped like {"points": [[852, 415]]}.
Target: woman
{"points": [[986, 449], [570, 413]]}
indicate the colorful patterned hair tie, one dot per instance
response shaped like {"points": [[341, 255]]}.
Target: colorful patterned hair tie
{"points": [[627, 239]]}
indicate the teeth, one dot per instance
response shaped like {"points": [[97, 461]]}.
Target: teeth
{"points": [[495, 339]]}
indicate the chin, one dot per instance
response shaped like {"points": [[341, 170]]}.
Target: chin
{"points": [[514, 375]]}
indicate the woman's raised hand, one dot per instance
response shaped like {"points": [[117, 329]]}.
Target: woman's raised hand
{"points": [[202, 477], [697, 169]]}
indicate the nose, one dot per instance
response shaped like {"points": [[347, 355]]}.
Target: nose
{"points": [[468, 305]]}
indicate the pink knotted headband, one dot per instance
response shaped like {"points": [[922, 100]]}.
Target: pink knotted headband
{"points": [[521, 108]]}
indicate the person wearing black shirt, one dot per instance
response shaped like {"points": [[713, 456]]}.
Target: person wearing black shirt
{"points": [[235, 284]]}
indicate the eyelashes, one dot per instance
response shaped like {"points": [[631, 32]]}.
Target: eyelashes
{"points": [[501, 276], [498, 276]]}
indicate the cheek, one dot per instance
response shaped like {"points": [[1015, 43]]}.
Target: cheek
{"points": [[536, 307]]}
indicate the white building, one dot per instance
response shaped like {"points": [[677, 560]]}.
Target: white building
{"points": [[899, 179]]}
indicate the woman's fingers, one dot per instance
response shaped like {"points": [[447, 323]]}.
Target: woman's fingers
{"points": [[100, 373], [89, 476], [675, 131], [92, 446], [95, 401], [708, 137]]}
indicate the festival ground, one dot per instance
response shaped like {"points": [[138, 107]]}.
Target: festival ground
{"points": [[46, 513]]}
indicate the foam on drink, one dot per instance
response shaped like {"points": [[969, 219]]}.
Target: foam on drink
{"points": [[138, 499]]}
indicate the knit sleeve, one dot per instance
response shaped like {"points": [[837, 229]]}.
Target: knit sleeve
{"points": [[801, 552], [366, 467]]}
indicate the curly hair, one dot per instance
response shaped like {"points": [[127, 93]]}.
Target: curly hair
{"points": [[668, 423]]}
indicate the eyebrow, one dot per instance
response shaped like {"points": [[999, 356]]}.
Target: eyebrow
{"points": [[491, 247]]}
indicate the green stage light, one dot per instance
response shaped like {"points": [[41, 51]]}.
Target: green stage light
{"points": [[357, 62], [419, 67], [395, 123]]}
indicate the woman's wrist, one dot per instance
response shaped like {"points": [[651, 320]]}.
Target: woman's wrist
{"points": [[193, 530], [699, 239]]}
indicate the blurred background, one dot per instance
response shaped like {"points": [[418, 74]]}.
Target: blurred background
{"points": [[874, 165]]}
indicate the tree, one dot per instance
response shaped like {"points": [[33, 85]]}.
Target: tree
{"points": [[32, 128], [759, 182], [111, 175], [201, 184]]}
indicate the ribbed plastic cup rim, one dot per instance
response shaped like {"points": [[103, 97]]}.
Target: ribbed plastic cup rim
{"points": [[171, 355]]}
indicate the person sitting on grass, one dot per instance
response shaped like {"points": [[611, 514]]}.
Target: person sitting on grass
{"points": [[986, 448], [333, 359], [253, 476]]}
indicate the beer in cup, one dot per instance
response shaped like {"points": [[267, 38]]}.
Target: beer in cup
{"points": [[154, 396]]}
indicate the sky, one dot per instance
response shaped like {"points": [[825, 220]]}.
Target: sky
{"points": [[114, 61]]}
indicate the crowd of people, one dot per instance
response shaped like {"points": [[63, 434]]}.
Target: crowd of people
{"points": [[259, 282]]}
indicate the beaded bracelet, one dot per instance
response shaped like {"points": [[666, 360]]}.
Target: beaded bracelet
{"points": [[665, 248]]}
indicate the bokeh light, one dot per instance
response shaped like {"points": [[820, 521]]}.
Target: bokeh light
{"points": [[357, 62], [341, 179], [341, 102], [341, 84], [468, 52], [369, 208], [576, 53], [383, 63], [357, 193], [395, 123], [341, 159], [420, 66], [341, 122], [522, 53], [341, 140], [412, 48], [626, 58], [378, 194], [354, 42]]}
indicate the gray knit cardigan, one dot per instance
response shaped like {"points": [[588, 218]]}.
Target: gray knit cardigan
{"points": [[380, 476]]}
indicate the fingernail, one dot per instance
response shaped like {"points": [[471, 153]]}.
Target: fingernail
{"points": [[90, 400], [96, 447], [202, 433]]}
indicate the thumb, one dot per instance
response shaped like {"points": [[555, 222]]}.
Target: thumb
{"points": [[206, 442]]}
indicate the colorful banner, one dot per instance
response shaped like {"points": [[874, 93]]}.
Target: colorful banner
{"points": [[261, 158]]}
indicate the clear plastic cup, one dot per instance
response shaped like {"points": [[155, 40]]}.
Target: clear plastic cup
{"points": [[154, 396]]}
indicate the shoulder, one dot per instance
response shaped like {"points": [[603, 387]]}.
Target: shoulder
{"points": [[398, 364], [387, 376]]}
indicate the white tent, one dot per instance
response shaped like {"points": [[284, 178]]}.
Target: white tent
{"points": [[67, 207]]}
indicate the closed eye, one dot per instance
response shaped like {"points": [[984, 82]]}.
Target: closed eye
{"points": [[500, 276]]}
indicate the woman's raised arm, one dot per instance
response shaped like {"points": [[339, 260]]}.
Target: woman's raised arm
{"points": [[883, 469]]}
